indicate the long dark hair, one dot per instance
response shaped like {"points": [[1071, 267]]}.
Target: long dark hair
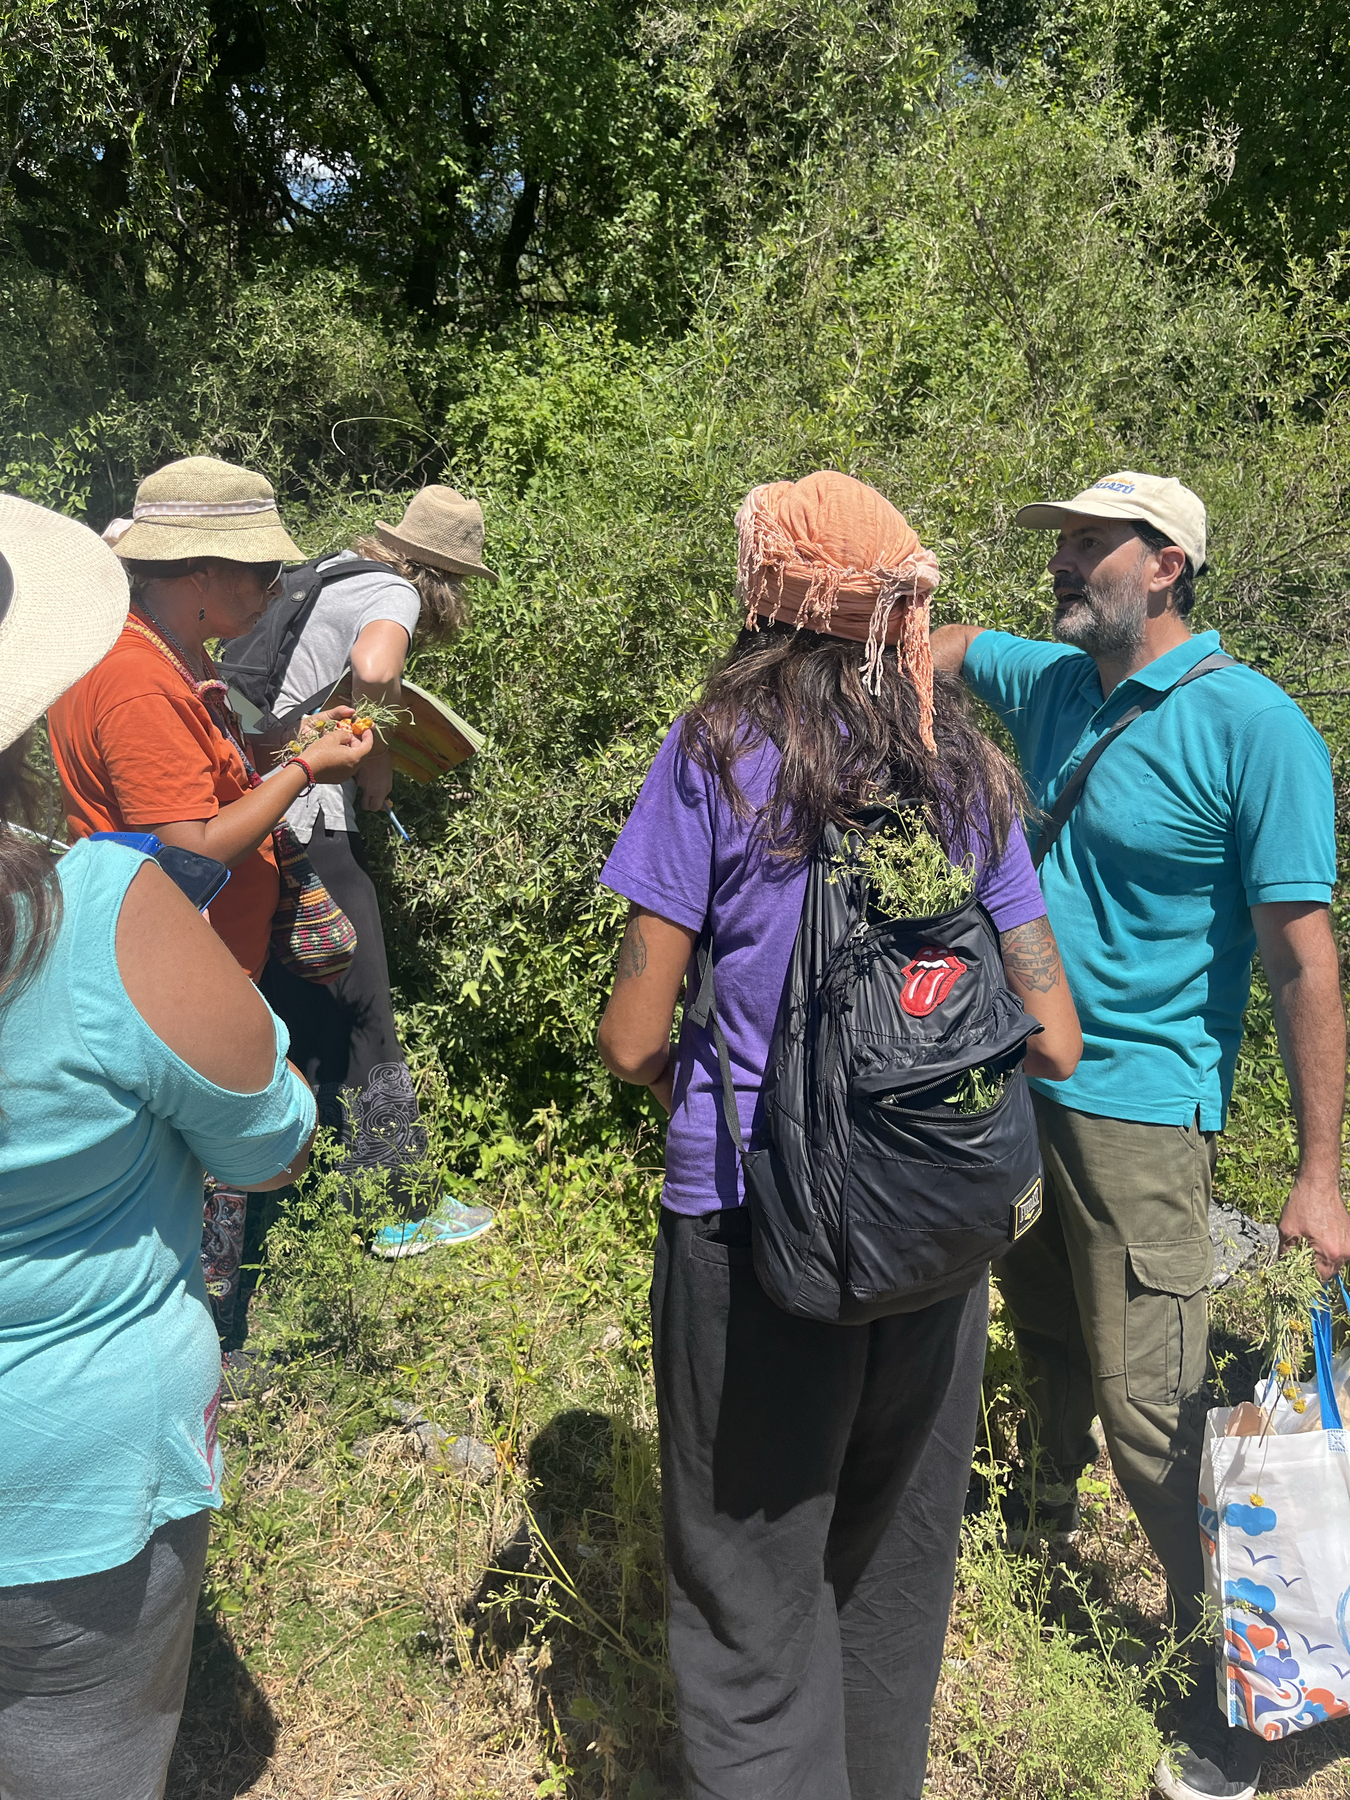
{"points": [[30, 895], [844, 748]]}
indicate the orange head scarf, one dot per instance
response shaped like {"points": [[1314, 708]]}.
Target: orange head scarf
{"points": [[829, 553]]}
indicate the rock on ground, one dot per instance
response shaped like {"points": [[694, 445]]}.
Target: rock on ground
{"points": [[466, 1455], [1237, 1240]]}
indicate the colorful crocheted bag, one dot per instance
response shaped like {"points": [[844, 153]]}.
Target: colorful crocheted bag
{"points": [[310, 932]]}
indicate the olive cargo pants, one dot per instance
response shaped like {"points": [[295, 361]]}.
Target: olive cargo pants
{"points": [[1107, 1296]]}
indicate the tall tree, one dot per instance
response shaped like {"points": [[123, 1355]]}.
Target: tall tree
{"points": [[465, 157], [1269, 76]]}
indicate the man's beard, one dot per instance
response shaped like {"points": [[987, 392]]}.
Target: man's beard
{"points": [[1102, 618]]}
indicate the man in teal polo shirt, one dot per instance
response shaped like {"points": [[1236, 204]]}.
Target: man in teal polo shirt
{"points": [[1204, 832]]}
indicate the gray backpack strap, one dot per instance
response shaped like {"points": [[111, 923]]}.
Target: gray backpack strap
{"points": [[704, 1012], [1072, 791]]}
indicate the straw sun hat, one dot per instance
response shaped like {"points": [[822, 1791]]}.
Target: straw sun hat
{"points": [[201, 506], [63, 598], [442, 529]]}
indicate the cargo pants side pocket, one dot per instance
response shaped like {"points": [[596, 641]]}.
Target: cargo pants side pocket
{"points": [[1166, 1327]]}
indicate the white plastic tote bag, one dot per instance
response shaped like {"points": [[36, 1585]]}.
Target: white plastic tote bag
{"points": [[1275, 1526]]}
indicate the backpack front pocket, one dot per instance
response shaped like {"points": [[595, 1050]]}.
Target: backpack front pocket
{"points": [[924, 1126], [930, 1191]]}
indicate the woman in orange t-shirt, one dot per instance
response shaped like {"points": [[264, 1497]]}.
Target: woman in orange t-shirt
{"points": [[147, 741]]}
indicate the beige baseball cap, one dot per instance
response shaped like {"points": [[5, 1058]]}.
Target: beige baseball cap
{"points": [[1160, 500]]}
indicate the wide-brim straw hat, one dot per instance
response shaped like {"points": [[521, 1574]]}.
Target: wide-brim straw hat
{"points": [[63, 601], [442, 529], [200, 506]]}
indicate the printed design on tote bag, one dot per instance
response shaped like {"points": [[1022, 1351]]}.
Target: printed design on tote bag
{"points": [[1209, 1525], [928, 979], [1267, 1690]]}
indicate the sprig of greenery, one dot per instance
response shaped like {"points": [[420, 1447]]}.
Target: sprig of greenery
{"points": [[909, 874], [978, 1089], [372, 715], [1288, 1289]]}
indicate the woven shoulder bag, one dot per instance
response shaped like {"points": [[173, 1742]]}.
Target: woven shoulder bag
{"points": [[311, 934]]}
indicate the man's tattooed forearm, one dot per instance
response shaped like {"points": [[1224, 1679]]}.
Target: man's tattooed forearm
{"points": [[1032, 955], [633, 950]]}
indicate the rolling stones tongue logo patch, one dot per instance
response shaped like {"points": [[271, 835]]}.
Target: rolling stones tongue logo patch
{"points": [[929, 978]]}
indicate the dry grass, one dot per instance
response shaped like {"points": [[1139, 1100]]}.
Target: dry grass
{"points": [[375, 1651], [377, 1624]]}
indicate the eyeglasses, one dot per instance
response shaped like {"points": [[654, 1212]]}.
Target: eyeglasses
{"points": [[269, 574]]}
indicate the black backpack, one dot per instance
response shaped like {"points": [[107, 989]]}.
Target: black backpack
{"points": [[256, 665], [870, 1191]]}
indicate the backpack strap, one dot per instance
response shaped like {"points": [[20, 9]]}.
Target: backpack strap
{"points": [[306, 601], [704, 1012], [1072, 791]]}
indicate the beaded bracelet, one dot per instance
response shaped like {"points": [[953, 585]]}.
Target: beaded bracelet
{"points": [[309, 774]]}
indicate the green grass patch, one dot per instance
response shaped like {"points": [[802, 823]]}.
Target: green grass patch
{"points": [[425, 1633]]}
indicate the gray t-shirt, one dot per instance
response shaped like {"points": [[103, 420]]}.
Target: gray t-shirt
{"points": [[341, 614]]}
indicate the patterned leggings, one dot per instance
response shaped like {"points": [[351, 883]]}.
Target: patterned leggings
{"points": [[344, 1039], [223, 1213]]}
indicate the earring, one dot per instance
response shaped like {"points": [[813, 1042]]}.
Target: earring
{"points": [[201, 615]]}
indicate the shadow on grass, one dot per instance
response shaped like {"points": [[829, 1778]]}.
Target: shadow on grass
{"points": [[572, 1610], [229, 1731], [1292, 1764], [571, 1462]]}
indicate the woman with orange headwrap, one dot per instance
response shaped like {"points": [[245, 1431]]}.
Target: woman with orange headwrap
{"points": [[813, 1472]]}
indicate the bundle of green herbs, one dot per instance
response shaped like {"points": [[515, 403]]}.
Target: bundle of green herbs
{"points": [[973, 1091], [371, 715], [1288, 1289], [909, 874], [977, 1090]]}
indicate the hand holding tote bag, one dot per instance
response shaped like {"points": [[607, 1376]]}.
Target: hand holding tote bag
{"points": [[1275, 1526]]}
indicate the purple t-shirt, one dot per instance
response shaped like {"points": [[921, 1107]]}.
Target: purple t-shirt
{"points": [[684, 854]]}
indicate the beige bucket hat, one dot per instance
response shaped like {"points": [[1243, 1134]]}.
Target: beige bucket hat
{"points": [[200, 506], [440, 528], [63, 600], [1159, 500]]}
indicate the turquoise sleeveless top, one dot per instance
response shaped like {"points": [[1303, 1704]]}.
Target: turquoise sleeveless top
{"points": [[109, 1363]]}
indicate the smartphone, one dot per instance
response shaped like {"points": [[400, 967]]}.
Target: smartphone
{"points": [[200, 877]]}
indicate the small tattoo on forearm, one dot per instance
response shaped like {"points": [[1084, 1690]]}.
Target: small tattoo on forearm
{"points": [[1032, 955], [632, 951]]}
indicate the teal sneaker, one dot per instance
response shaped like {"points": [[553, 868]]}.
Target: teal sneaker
{"points": [[451, 1223]]}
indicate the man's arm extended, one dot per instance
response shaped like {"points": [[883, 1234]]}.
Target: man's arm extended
{"points": [[949, 644], [1299, 956]]}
